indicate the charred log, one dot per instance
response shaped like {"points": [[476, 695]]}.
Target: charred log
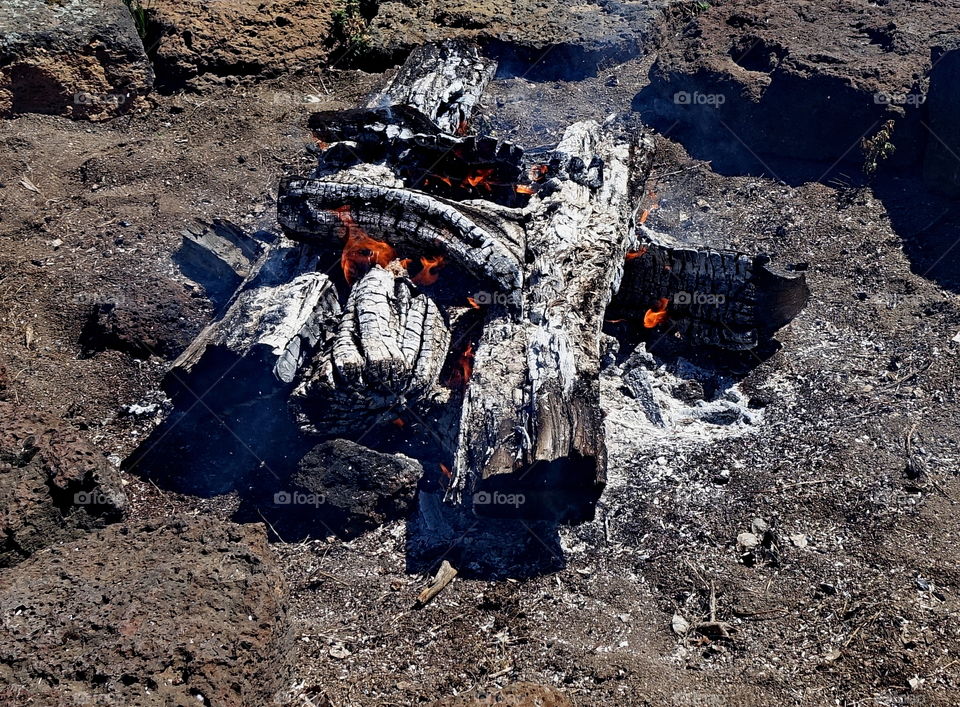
{"points": [[230, 388], [444, 81], [531, 422], [389, 348], [418, 222], [711, 297]]}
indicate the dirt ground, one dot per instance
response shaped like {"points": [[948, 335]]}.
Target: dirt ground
{"points": [[851, 596]]}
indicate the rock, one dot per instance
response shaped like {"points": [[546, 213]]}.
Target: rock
{"points": [[53, 485], [518, 694], [790, 80], [679, 625], [578, 37], [179, 611], [155, 319], [941, 168], [81, 59], [241, 37], [342, 486], [747, 541]]}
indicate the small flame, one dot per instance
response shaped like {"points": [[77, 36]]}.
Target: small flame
{"points": [[360, 252], [405, 263], [464, 369], [523, 189], [473, 303], [538, 172], [655, 317], [479, 177], [634, 254], [429, 274], [654, 205]]}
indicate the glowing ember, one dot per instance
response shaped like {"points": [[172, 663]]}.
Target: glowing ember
{"points": [[473, 303], [445, 470], [523, 189], [430, 267], [399, 422], [463, 128], [655, 317], [360, 252], [479, 177], [633, 254], [538, 172]]}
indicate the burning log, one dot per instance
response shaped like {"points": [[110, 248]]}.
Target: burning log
{"points": [[485, 246], [709, 296], [389, 348], [531, 422], [444, 81], [476, 286]]}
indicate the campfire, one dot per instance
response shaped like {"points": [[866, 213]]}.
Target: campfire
{"points": [[476, 282]]}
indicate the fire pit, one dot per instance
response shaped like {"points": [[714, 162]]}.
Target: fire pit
{"points": [[451, 290]]}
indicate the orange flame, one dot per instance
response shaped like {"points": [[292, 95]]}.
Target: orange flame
{"points": [[655, 317], [464, 369], [429, 274], [473, 303], [360, 252], [633, 254], [523, 189], [654, 205], [479, 177]]}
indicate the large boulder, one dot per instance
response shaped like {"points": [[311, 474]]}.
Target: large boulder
{"points": [[54, 485], [80, 58], [539, 39], [240, 37], [750, 85], [173, 612]]}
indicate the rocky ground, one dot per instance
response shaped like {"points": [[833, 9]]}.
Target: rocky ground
{"points": [[802, 550]]}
